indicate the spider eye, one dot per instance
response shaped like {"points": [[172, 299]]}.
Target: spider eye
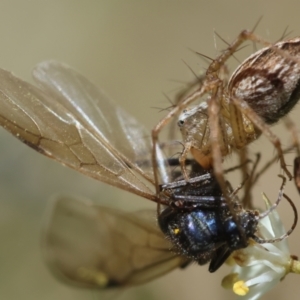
{"points": [[180, 123]]}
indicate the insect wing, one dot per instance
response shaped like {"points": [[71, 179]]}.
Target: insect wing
{"points": [[73, 122], [99, 247], [94, 110]]}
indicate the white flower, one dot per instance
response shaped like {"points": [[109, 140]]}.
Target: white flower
{"points": [[259, 267]]}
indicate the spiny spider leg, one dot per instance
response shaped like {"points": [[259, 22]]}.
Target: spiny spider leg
{"points": [[238, 114], [264, 128]]}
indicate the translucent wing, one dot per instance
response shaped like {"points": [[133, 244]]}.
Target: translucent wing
{"points": [[101, 247], [71, 120]]}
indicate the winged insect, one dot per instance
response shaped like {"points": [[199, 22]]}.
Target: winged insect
{"points": [[72, 121]]}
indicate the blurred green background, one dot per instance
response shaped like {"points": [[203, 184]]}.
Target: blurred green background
{"points": [[133, 49]]}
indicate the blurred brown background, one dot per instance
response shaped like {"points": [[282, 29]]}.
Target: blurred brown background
{"points": [[133, 49]]}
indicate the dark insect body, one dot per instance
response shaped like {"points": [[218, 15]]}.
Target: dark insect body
{"points": [[200, 225]]}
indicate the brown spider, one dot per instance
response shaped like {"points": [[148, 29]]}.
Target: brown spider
{"points": [[263, 89]]}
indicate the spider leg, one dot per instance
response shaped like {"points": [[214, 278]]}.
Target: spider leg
{"points": [[264, 128], [157, 129]]}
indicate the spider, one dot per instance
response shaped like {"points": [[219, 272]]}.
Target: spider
{"points": [[263, 89]]}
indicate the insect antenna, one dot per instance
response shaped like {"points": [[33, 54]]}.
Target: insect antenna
{"points": [[262, 241], [264, 214], [280, 195]]}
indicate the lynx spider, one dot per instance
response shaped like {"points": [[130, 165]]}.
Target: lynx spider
{"points": [[282, 62]]}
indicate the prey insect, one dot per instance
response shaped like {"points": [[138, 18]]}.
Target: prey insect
{"points": [[200, 223], [263, 89], [111, 248], [72, 121]]}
